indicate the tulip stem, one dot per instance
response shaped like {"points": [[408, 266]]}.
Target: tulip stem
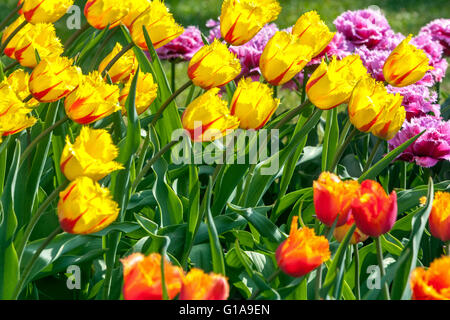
{"points": [[173, 68], [117, 57], [342, 148], [33, 144], [372, 155], [12, 35], [320, 269], [291, 114], [11, 65], [10, 15], [381, 266], [357, 280], [168, 101], [30, 265], [75, 35]]}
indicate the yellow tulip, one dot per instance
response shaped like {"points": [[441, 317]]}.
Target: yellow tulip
{"points": [[41, 38], [91, 155], [49, 11], [137, 7], [207, 118], [241, 20], [283, 57], [253, 104], [93, 100], [332, 84], [100, 13], [85, 207], [213, 66], [18, 81], [123, 68], [146, 93], [405, 65], [373, 109], [11, 46], [312, 31], [54, 78], [160, 24]]}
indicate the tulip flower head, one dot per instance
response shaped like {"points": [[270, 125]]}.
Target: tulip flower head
{"points": [[45, 11], [208, 118], [122, 70], [333, 198], [340, 232], [433, 283], [136, 8], [332, 84], [198, 285], [439, 220], [54, 78], [213, 66], [85, 207], [101, 13], [253, 104], [12, 45], [312, 31], [405, 65], [284, 57], [18, 81], [159, 23], [302, 251], [142, 277], [241, 20], [146, 93], [91, 155], [93, 100], [372, 109], [374, 211]]}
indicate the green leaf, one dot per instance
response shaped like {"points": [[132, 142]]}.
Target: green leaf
{"points": [[331, 138]]}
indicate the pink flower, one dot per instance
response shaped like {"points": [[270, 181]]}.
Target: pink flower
{"points": [[418, 100], [439, 30], [182, 48]]}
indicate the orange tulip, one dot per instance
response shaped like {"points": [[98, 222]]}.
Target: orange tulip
{"points": [[197, 285], [439, 220], [432, 284], [340, 232]]}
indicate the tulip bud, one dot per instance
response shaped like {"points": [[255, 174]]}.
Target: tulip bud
{"points": [[160, 25], [91, 155], [11, 46], [85, 207], [312, 31], [433, 283], [302, 251], [213, 66], [253, 104], [405, 65], [100, 13], [47, 11], [146, 93], [137, 7], [142, 277], [18, 81], [54, 78], [122, 70], [283, 57], [374, 211], [41, 38], [372, 109], [340, 232], [333, 197], [332, 84], [197, 285], [439, 220], [241, 20], [208, 118]]}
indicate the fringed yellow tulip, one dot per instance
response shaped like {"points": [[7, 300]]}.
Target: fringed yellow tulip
{"points": [[123, 68], [49, 11], [11, 46], [312, 31], [160, 24], [18, 81], [91, 155], [85, 207], [100, 13], [137, 7], [373, 109], [41, 38], [54, 78], [405, 65], [283, 57], [253, 104], [93, 100], [208, 118], [213, 66], [331, 85], [241, 20], [146, 93]]}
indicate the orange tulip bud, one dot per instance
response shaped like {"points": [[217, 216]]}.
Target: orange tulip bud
{"points": [[333, 198], [439, 220], [302, 251], [432, 284], [374, 211], [340, 232], [49, 11], [142, 277], [100, 13], [197, 285]]}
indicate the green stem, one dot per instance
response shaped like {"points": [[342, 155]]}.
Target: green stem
{"points": [[342, 148], [372, 155], [102, 46], [12, 35], [292, 114], [11, 65], [380, 264], [10, 15], [318, 284], [117, 57], [404, 171], [357, 280], [75, 35], [173, 67]]}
